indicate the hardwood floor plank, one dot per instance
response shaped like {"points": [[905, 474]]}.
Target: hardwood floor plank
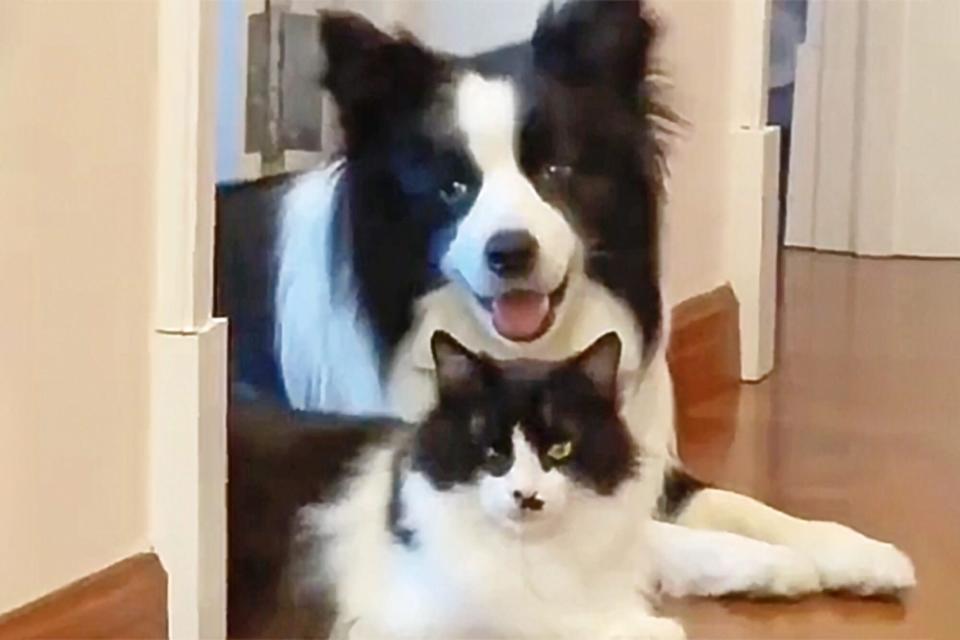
{"points": [[124, 601]]}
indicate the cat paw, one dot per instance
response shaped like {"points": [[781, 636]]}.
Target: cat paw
{"points": [[646, 628], [847, 560]]}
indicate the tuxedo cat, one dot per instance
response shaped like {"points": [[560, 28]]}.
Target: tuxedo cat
{"points": [[516, 509]]}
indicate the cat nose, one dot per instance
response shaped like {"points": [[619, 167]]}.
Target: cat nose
{"points": [[511, 254], [528, 501]]}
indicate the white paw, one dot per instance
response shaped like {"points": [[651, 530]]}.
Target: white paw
{"points": [[646, 628], [714, 563], [850, 561], [787, 574]]}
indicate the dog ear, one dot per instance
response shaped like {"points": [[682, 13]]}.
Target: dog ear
{"points": [[599, 363], [375, 78], [346, 39], [585, 42], [458, 369]]}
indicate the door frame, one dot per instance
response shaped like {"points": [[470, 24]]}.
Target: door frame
{"points": [[752, 190], [187, 495]]}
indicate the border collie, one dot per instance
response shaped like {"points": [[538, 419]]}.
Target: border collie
{"points": [[511, 199]]}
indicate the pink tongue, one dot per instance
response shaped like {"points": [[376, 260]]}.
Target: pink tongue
{"points": [[520, 315]]}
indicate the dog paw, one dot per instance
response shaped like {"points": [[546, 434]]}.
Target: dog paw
{"points": [[847, 560], [786, 574], [715, 563], [646, 628]]}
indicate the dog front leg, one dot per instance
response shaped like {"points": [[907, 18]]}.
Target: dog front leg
{"points": [[845, 559], [694, 562]]}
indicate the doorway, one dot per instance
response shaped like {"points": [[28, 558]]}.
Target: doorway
{"points": [[873, 130]]}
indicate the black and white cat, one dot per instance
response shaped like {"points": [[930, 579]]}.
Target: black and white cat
{"points": [[511, 511]]}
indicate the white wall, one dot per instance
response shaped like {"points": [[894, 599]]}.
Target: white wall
{"points": [[927, 221], [696, 216], [112, 374], [77, 109], [877, 105], [469, 26]]}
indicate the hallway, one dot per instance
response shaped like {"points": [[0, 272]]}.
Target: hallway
{"points": [[860, 423]]}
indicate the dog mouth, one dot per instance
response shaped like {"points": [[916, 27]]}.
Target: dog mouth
{"points": [[523, 315]]}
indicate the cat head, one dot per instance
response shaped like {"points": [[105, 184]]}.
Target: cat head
{"points": [[527, 436]]}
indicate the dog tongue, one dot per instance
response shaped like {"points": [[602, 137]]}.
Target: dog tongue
{"points": [[519, 315]]}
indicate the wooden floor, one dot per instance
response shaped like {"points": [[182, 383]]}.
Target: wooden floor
{"points": [[860, 423]]}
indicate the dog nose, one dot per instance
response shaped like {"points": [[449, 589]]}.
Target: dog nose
{"points": [[510, 254], [529, 501]]}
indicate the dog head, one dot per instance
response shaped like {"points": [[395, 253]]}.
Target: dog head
{"points": [[512, 174]]}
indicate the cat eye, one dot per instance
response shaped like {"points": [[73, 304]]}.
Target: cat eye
{"points": [[560, 451], [454, 192], [497, 464]]}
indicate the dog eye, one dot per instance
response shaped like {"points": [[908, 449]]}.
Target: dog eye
{"points": [[560, 451], [556, 172], [454, 192], [477, 424]]}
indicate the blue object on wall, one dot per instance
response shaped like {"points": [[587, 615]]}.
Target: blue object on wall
{"points": [[230, 72]]}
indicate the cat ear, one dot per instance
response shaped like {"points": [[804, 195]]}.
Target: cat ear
{"points": [[458, 369], [599, 363]]}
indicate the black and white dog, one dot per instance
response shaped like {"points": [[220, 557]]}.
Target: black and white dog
{"points": [[512, 200]]}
